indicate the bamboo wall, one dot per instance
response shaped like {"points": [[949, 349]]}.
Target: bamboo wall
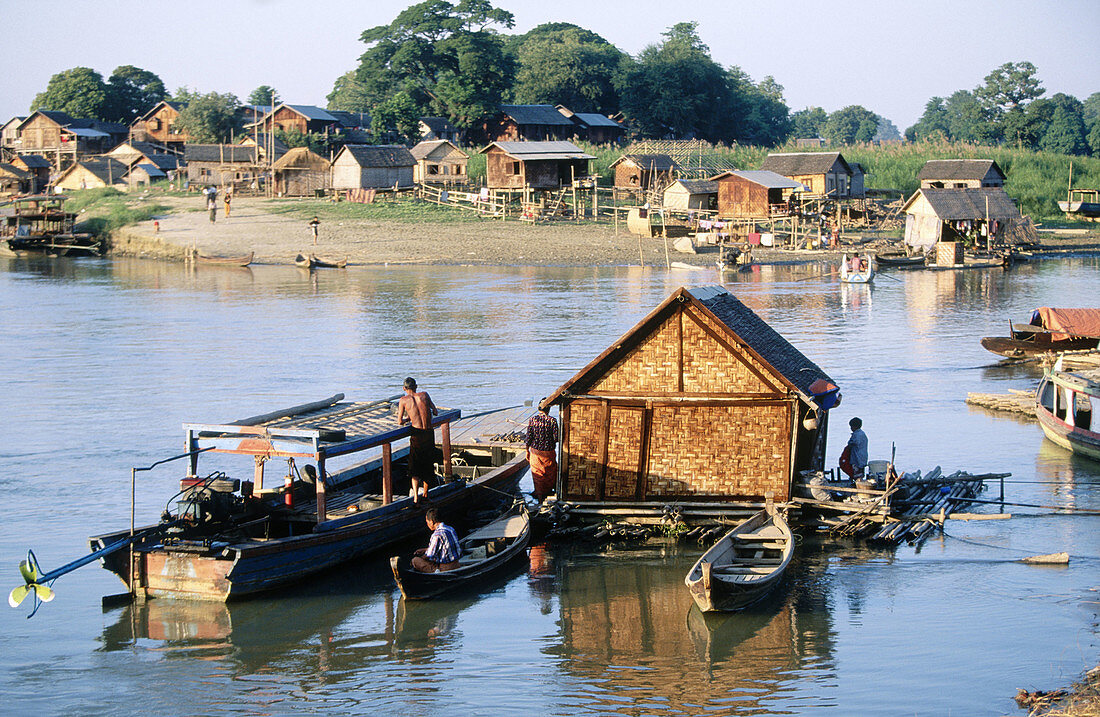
{"points": [[738, 197]]}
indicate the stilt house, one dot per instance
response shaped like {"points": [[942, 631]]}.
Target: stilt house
{"points": [[756, 194], [159, 125], [958, 216], [534, 165], [700, 402], [301, 173], [961, 174], [644, 171], [532, 123], [14, 180], [825, 174], [593, 127], [39, 169]]}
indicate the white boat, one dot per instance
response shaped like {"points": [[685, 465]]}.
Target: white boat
{"points": [[857, 269], [1065, 403]]}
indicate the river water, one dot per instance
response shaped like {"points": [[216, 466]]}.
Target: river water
{"points": [[104, 359]]}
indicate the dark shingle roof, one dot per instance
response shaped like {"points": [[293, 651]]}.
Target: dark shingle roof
{"points": [[35, 161], [967, 203], [653, 162], [164, 161], [799, 163], [152, 170], [234, 153], [351, 120], [107, 169], [958, 169], [312, 112], [12, 170], [791, 363], [381, 155], [558, 149], [697, 186], [536, 114], [594, 119], [438, 124]]}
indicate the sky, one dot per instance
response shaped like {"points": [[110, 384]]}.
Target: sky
{"points": [[886, 55]]}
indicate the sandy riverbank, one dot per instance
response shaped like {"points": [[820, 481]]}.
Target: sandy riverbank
{"points": [[276, 238]]}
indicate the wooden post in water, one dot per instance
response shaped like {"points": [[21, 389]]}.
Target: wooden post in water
{"points": [[446, 438], [387, 474]]}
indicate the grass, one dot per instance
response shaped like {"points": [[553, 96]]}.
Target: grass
{"points": [[101, 211]]}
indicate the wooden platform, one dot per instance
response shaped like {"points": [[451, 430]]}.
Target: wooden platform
{"points": [[504, 427], [1018, 403]]}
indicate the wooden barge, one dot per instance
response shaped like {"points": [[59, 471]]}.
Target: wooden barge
{"points": [[1050, 330], [40, 224], [233, 538]]}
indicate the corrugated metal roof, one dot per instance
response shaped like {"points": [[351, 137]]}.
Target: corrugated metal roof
{"points": [[380, 155], [764, 178], [85, 132], [541, 150], [799, 163], [967, 203], [152, 170], [312, 112], [536, 114], [594, 119], [958, 169]]}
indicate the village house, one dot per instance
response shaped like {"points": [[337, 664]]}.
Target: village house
{"points": [[955, 218], [63, 139], [644, 171], [298, 118], [700, 194], [37, 167], [159, 125], [824, 174], [14, 180], [93, 173], [534, 165], [701, 402], [753, 194], [961, 173], [593, 127], [131, 153], [361, 166], [301, 173], [439, 161], [9, 134], [265, 143], [142, 174], [532, 123], [223, 165], [432, 128]]}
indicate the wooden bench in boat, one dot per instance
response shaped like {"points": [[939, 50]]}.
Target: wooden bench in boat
{"points": [[755, 561]]}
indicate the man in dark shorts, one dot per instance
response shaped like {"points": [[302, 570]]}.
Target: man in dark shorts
{"points": [[417, 408]]}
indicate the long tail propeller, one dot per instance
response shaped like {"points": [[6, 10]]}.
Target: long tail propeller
{"points": [[32, 585]]}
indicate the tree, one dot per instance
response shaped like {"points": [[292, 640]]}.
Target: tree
{"points": [[207, 118], [266, 96], [809, 123], [443, 56], [851, 124], [396, 119], [1010, 85], [79, 92], [886, 130], [762, 118], [933, 124], [131, 92], [968, 120], [560, 63], [348, 94], [1065, 132]]}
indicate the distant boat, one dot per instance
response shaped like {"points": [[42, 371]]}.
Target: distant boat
{"points": [[1063, 404], [303, 262], [242, 260], [484, 551], [1051, 330], [312, 262], [1081, 203], [899, 260], [39, 224], [857, 269], [744, 565]]}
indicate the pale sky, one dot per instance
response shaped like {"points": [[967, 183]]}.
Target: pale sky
{"points": [[888, 56]]}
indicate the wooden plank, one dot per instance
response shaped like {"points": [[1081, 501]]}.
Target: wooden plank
{"points": [[605, 431], [387, 474]]}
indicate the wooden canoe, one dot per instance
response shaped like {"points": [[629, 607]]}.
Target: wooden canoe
{"points": [[325, 264], [744, 566], [484, 551], [303, 262], [899, 260], [242, 260]]}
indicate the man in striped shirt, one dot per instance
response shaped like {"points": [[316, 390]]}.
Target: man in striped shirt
{"points": [[443, 550]]}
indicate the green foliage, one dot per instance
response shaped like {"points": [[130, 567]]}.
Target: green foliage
{"points": [[560, 63], [316, 141], [106, 209], [132, 92], [349, 95], [396, 116], [1010, 85], [208, 118], [264, 95], [851, 124], [79, 92], [1065, 131], [808, 123]]}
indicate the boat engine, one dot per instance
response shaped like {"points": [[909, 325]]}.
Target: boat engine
{"points": [[208, 500]]}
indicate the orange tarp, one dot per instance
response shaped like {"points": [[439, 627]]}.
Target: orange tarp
{"points": [[1070, 322]]}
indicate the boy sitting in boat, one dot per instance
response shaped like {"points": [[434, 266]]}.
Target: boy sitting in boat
{"points": [[443, 549]]}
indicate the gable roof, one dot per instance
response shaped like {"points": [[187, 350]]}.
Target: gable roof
{"points": [[595, 119], [540, 150], [33, 161], [438, 124], [424, 149], [12, 170], [163, 161], [310, 112], [379, 155], [959, 169], [652, 162], [351, 120], [696, 186], [967, 203], [798, 163], [151, 170], [107, 169], [536, 114], [748, 329], [177, 106], [301, 158], [226, 153], [763, 177]]}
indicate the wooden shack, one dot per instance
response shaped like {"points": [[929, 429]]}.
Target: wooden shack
{"points": [[222, 165], [62, 139], [960, 174], [699, 194], [701, 404], [93, 173], [159, 125], [265, 144], [9, 133], [644, 171], [967, 216], [363, 166], [301, 173], [439, 161], [753, 194], [593, 127], [531, 123], [298, 118], [39, 169], [432, 128], [534, 165], [824, 174], [14, 180]]}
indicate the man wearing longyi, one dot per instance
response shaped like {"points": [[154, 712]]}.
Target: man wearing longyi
{"points": [[417, 408]]}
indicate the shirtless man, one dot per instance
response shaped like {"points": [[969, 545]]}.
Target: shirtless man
{"points": [[417, 408]]}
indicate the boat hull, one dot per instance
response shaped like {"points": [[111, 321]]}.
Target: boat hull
{"points": [[1072, 438], [1020, 348]]}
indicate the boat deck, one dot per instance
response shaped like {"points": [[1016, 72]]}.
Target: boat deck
{"points": [[503, 427]]}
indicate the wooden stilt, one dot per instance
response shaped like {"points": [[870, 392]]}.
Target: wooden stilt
{"points": [[446, 438], [322, 503], [387, 474]]}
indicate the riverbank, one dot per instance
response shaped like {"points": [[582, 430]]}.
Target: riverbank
{"points": [[278, 230]]}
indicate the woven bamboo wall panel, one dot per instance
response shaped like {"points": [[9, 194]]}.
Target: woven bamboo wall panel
{"points": [[709, 367], [581, 457], [652, 366], [741, 450], [624, 448]]}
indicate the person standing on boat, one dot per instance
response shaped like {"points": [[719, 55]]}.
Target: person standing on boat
{"points": [[417, 408], [443, 549], [542, 456], [855, 453]]}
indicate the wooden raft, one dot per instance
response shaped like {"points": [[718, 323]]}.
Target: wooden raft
{"points": [[1019, 403]]}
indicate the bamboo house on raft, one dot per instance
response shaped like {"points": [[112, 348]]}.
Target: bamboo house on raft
{"points": [[701, 407]]}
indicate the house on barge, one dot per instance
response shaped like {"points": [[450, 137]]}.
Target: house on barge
{"points": [[701, 405]]}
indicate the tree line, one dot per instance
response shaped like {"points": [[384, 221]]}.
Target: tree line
{"points": [[453, 59]]}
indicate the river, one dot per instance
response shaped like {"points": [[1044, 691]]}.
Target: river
{"points": [[104, 359]]}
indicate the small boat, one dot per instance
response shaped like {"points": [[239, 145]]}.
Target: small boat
{"points": [[1064, 403], [242, 260], [484, 551], [899, 260], [1050, 330], [303, 262], [1081, 203], [744, 565], [857, 269], [325, 264]]}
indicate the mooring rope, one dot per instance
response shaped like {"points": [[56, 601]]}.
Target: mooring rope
{"points": [[1014, 550]]}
